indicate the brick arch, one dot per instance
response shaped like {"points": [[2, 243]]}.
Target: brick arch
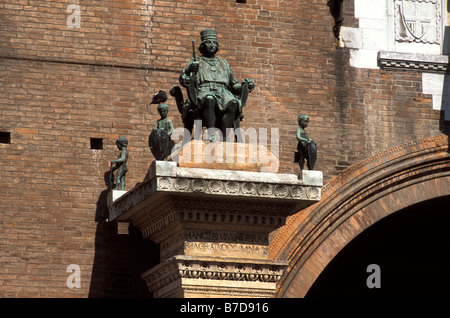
{"points": [[353, 201]]}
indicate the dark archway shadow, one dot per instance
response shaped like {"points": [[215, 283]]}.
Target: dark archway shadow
{"points": [[409, 246], [119, 259], [445, 106]]}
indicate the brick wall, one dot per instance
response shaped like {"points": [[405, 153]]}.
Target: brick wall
{"points": [[61, 86]]}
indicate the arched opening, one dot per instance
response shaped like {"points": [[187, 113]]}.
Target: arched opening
{"points": [[411, 177], [411, 249]]}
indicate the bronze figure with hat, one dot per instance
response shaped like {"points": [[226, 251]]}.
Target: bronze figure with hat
{"points": [[214, 94]]}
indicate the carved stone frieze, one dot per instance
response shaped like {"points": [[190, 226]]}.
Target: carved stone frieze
{"points": [[229, 292], [241, 188], [218, 213], [219, 183], [216, 187], [202, 269]]}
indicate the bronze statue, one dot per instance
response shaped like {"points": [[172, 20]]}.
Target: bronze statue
{"points": [[307, 149], [120, 164], [160, 141], [214, 95], [164, 122]]}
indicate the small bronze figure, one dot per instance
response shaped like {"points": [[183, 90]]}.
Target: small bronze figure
{"points": [[120, 164], [160, 141], [307, 149], [164, 122]]}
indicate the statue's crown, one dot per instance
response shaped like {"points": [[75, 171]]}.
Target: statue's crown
{"points": [[208, 34]]}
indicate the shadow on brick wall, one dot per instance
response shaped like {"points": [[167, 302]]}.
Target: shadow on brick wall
{"points": [[119, 259]]}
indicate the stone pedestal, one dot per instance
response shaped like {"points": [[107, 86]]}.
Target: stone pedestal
{"points": [[213, 227], [113, 195], [226, 156]]}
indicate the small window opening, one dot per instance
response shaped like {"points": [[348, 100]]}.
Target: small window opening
{"points": [[5, 137], [97, 143], [241, 1]]}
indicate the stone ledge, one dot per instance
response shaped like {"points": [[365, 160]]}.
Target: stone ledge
{"points": [[413, 62], [114, 195], [165, 178], [171, 169]]}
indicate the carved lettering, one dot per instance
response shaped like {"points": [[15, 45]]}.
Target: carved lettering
{"points": [[227, 247], [220, 236]]}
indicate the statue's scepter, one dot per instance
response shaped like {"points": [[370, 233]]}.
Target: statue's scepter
{"points": [[193, 86], [195, 60], [111, 175]]}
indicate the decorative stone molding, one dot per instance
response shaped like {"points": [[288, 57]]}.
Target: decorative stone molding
{"points": [[255, 185], [225, 276], [235, 188], [229, 292], [414, 62], [435, 76]]}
